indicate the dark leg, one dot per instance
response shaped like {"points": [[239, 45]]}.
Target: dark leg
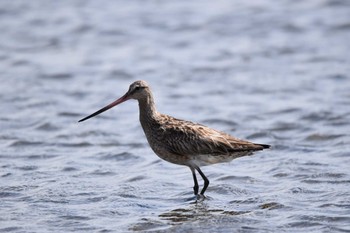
{"points": [[206, 181], [195, 187]]}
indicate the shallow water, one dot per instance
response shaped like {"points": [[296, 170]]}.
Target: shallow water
{"points": [[270, 72]]}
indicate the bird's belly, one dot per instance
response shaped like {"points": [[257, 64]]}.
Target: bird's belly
{"points": [[208, 159], [198, 160], [170, 157]]}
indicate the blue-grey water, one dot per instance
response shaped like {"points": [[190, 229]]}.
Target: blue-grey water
{"points": [[275, 72]]}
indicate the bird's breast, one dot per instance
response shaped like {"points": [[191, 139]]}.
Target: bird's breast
{"points": [[158, 141]]}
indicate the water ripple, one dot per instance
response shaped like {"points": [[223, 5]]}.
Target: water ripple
{"points": [[261, 70]]}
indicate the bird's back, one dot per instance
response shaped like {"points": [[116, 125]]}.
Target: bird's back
{"points": [[187, 141]]}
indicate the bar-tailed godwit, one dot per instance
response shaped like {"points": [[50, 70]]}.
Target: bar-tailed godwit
{"points": [[183, 142]]}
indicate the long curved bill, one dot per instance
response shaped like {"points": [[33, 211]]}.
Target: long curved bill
{"points": [[111, 105]]}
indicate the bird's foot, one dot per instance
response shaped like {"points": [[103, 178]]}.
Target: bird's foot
{"points": [[200, 198]]}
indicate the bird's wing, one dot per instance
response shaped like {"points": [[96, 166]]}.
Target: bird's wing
{"points": [[187, 138]]}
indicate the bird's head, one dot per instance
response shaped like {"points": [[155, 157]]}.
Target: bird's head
{"points": [[137, 90]]}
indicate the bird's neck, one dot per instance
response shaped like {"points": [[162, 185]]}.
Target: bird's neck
{"points": [[148, 111]]}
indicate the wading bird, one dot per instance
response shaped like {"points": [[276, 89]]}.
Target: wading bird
{"points": [[183, 142]]}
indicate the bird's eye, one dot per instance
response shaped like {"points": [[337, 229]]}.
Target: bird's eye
{"points": [[137, 88]]}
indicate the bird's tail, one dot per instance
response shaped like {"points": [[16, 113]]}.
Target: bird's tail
{"points": [[265, 146]]}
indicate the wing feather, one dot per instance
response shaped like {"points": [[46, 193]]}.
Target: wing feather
{"points": [[188, 138]]}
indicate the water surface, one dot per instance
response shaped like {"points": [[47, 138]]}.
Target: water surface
{"points": [[270, 72]]}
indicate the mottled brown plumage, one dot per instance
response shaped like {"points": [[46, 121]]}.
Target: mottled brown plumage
{"points": [[183, 142]]}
